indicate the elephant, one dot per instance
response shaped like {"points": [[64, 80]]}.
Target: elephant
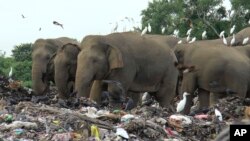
{"points": [[138, 63], [42, 62], [65, 63], [239, 37], [218, 70], [169, 40]]}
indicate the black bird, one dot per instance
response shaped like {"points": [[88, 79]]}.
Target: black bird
{"points": [[23, 16], [57, 23]]}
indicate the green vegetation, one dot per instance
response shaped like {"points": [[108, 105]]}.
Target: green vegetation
{"points": [[209, 15], [20, 62]]}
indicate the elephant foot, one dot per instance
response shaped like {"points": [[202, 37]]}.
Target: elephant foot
{"points": [[68, 103], [42, 98]]}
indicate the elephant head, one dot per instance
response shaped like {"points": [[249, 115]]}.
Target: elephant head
{"points": [[96, 59], [65, 63], [42, 62]]}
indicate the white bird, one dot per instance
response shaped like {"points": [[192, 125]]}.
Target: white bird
{"points": [[189, 31], [224, 40], [218, 114], [149, 27], [181, 105], [232, 29], [222, 33], [249, 21], [145, 96], [193, 40], [163, 30], [233, 40], [179, 42], [115, 27], [231, 14], [188, 38], [176, 33], [144, 31], [204, 35], [245, 41], [10, 73]]}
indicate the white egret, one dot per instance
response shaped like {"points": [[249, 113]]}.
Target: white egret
{"points": [[188, 38], [193, 40], [232, 29], [233, 40], [163, 30], [249, 21], [181, 105], [179, 42], [245, 40], [189, 31], [149, 27], [176, 33], [204, 35], [222, 33], [145, 96], [115, 27], [10, 73], [144, 31], [218, 114], [231, 14], [224, 40]]}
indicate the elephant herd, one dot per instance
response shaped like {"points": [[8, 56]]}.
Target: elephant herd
{"points": [[136, 64]]}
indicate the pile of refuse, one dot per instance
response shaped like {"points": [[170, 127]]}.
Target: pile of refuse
{"points": [[26, 118]]}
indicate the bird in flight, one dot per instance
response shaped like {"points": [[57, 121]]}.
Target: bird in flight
{"points": [[23, 16], [57, 23]]}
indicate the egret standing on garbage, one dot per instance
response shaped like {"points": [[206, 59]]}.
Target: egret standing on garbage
{"points": [[218, 114], [245, 41], [144, 31], [181, 105], [10, 73]]}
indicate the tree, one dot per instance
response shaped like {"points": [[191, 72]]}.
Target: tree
{"points": [[200, 15], [22, 52]]}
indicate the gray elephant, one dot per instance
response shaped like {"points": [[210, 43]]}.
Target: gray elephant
{"points": [[219, 70], [138, 63], [65, 64], [169, 40], [42, 62]]}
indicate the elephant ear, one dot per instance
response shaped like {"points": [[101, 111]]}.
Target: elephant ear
{"points": [[114, 57]]}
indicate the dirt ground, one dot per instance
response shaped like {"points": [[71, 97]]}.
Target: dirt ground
{"points": [[24, 117]]}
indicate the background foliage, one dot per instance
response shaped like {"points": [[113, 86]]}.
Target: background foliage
{"points": [[21, 63], [200, 15]]}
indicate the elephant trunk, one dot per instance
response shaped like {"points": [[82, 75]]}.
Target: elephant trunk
{"points": [[83, 82], [61, 80], [39, 83]]}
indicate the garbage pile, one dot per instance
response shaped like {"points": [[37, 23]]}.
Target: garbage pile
{"points": [[24, 117]]}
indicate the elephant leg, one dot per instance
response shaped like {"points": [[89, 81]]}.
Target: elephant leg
{"points": [[203, 96], [167, 91], [214, 98], [136, 97], [188, 85]]}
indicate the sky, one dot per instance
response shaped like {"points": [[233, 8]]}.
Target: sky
{"points": [[79, 18]]}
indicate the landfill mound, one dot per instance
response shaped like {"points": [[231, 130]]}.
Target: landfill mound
{"points": [[24, 117]]}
